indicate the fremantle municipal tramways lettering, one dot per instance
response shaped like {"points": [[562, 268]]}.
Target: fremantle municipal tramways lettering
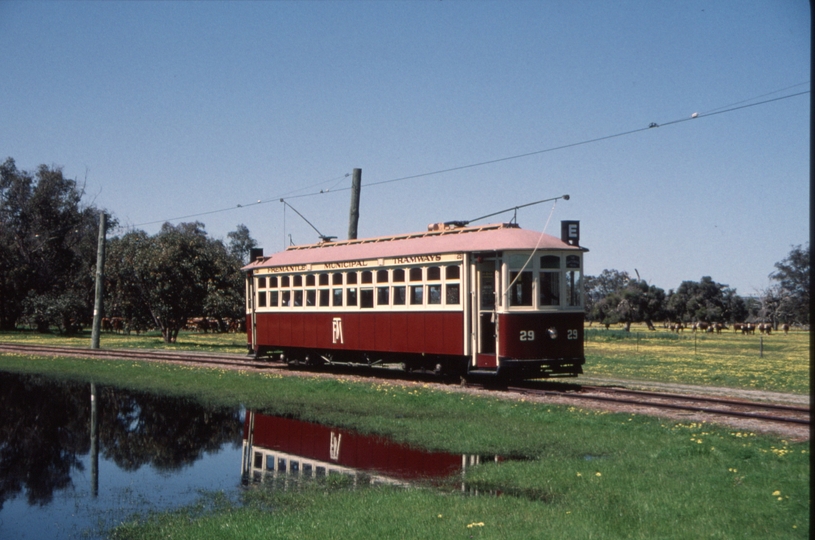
{"points": [[396, 261]]}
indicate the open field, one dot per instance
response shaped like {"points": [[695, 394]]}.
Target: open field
{"points": [[776, 362], [578, 473]]}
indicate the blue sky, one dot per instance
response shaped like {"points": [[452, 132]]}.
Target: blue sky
{"points": [[174, 109]]}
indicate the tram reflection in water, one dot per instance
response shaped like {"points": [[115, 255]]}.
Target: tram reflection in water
{"points": [[283, 448]]}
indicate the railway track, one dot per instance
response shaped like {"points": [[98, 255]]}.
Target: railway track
{"points": [[150, 355], [714, 406]]}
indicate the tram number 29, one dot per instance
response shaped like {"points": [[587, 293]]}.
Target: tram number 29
{"points": [[527, 335], [571, 334]]}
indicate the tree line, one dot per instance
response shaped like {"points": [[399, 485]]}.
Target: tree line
{"points": [[614, 297], [48, 242]]}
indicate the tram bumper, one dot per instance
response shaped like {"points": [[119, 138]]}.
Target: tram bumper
{"points": [[513, 368]]}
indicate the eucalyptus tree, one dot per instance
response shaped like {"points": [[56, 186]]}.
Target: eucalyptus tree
{"points": [[47, 249], [178, 274], [791, 295]]}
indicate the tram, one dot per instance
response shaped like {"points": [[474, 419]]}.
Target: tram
{"points": [[470, 300]]}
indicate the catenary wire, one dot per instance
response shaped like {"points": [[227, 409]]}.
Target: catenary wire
{"points": [[695, 116]]}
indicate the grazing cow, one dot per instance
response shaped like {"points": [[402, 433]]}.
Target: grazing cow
{"points": [[118, 324], [718, 327], [765, 328], [701, 326], [786, 328]]}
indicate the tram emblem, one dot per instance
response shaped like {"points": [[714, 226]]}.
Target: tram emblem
{"points": [[337, 331], [334, 448]]}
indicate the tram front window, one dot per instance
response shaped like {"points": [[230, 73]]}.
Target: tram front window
{"points": [[573, 288], [520, 292], [549, 288]]}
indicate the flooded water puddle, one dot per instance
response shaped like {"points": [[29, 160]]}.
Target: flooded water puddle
{"points": [[77, 459]]}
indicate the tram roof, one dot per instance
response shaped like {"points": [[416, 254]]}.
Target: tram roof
{"points": [[495, 237]]}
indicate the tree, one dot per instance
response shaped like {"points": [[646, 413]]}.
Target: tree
{"points": [[704, 300], [47, 249], [600, 287], [177, 274], [240, 243], [792, 294]]}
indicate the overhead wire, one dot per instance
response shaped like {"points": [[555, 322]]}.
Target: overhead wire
{"points": [[720, 110]]}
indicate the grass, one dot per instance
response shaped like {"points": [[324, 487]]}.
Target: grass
{"points": [[587, 474], [777, 362], [187, 341]]}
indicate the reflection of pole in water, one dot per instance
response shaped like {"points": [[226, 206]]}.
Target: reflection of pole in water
{"points": [[94, 444]]}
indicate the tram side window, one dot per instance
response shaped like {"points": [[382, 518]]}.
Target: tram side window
{"points": [[382, 296], [398, 275], [351, 296], [434, 294], [298, 298], [452, 290], [367, 276], [520, 292], [324, 298], [286, 299], [262, 299], [336, 279], [337, 297], [273, 298], [323, 279], [549, 280], [366, 297], [381, 276], [415, 274], [399, 295], [262, 283], [416, 295], [433, 273], [311, 297]]}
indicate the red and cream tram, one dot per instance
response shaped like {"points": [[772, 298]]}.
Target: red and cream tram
{"points": [[493, 299]]}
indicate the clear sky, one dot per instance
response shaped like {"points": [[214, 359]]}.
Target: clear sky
{"points": [[168, 110]]}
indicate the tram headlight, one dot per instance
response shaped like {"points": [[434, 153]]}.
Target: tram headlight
{"points": [[552, 332]]}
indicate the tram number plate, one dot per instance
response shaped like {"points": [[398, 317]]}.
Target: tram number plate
{"points": [[527, 335]]}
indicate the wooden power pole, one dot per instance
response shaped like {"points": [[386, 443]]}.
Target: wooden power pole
{"points": [[100, 271], [356, 186]]}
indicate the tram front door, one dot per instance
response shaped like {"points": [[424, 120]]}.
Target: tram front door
{"points": [[486, 336]]}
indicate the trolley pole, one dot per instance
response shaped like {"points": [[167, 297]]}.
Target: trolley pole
{"points": [[100, 270], [353, 221]]}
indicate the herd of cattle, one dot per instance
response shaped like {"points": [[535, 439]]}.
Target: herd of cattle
{"points": [[121, 325], [744, 328]]}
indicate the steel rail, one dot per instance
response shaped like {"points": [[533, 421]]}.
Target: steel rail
{"points": [[137, 354], [677, 406], [710, 399]]}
